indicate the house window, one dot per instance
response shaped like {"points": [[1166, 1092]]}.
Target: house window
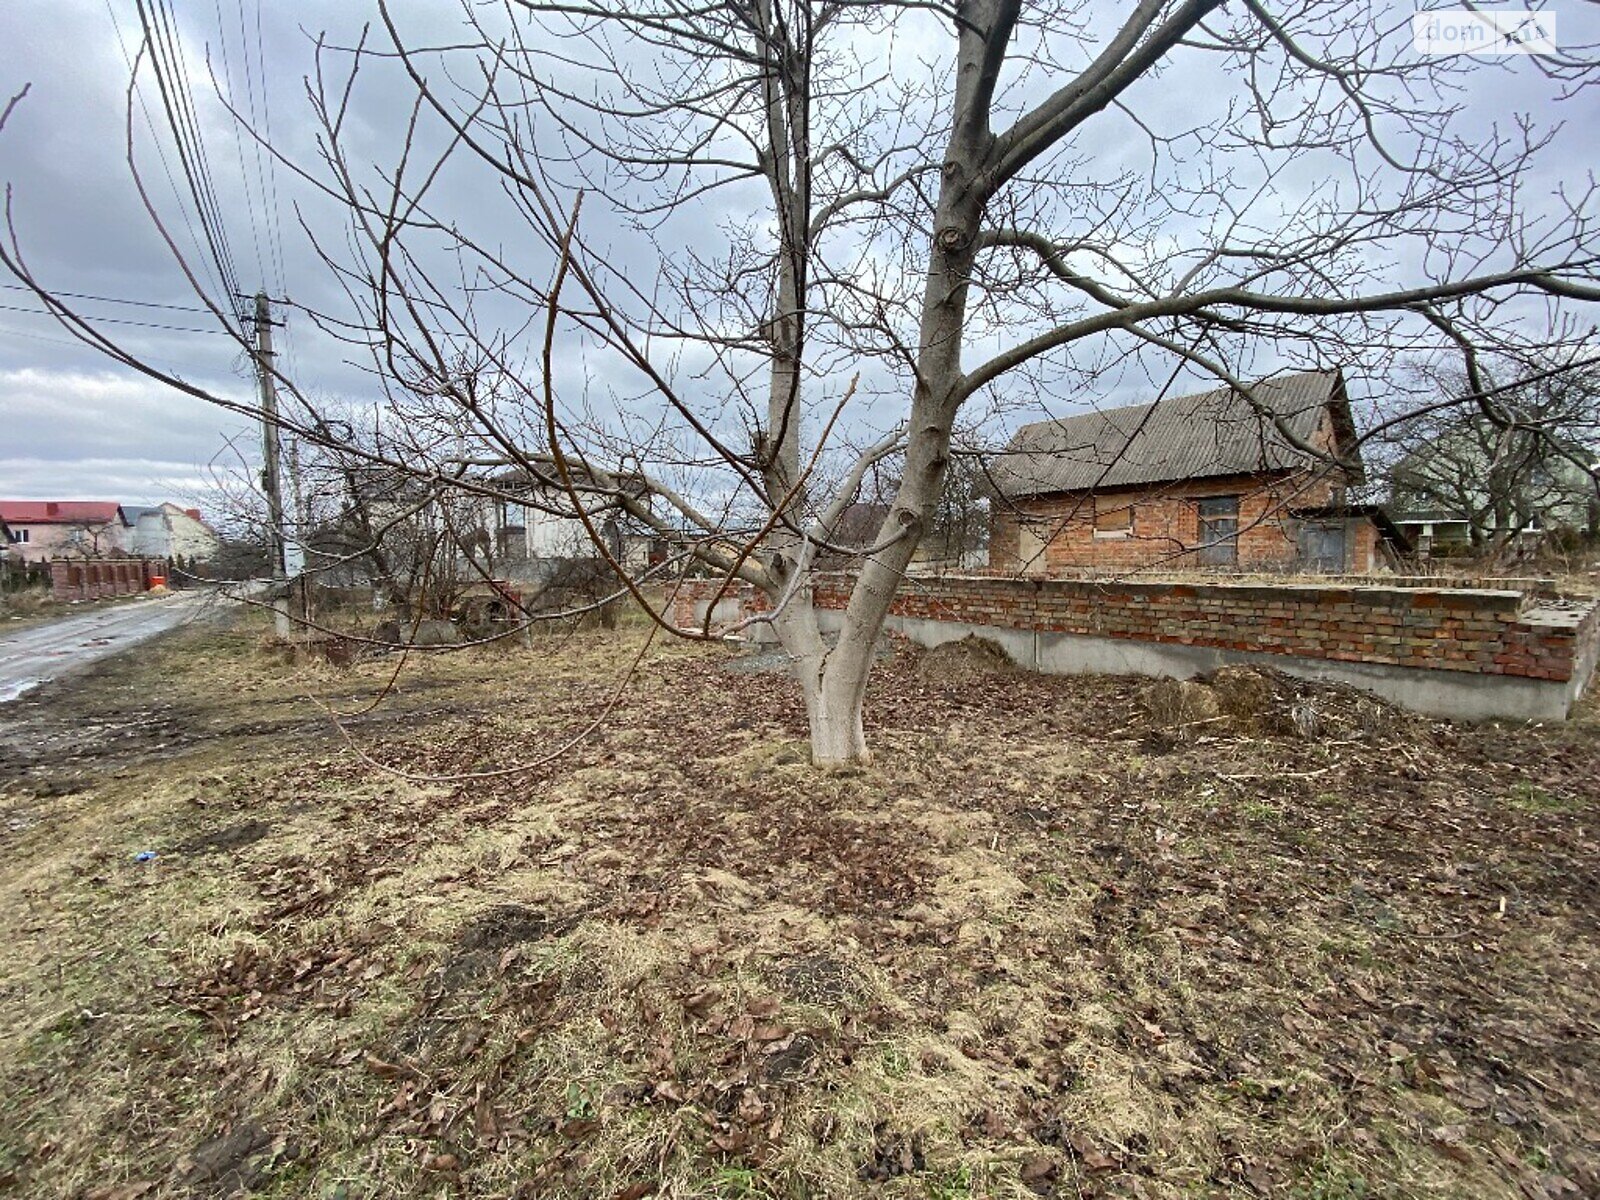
{"points": [[1112, 520], [20, 536], [1219, 531]]}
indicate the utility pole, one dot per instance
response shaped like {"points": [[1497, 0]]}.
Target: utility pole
{"points": [[270, 486]]}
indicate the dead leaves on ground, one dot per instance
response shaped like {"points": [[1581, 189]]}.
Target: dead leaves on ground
{"points": [[1337, 948]]}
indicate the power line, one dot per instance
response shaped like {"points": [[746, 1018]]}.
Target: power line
{"points": [[169, 64], [193, 308], [197, 142], [275, 227], [257, 85], [172, 81], [39, 337], [39, 312], [233, 108], [176, 99], [161, 150]]}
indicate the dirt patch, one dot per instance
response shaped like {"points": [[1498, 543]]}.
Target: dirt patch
{"points": [[230, 837], [506, 925], [893, 1154], [794, 1061], [237, 1162], [818, 979], [487, 937]]}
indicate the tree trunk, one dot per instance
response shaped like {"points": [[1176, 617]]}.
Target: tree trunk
{"points": [[836, 683], [834, 712]]}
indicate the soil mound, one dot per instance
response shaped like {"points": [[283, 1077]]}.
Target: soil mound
{"points": [[1178, 703], [973, 657], [1248, 696], [1253, 701]]}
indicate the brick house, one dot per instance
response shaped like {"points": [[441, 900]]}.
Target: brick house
{"points": [[1206, 481], [42, 529]]}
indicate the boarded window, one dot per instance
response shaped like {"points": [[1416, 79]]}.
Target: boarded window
{"points": [[1111, 517], [1030, 549]]}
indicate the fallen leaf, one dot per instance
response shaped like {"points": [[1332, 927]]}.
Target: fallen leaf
{"points": [[751, 1109], [484, 1121], [701, 1001], [1038, 1167], [992, 1124], [1090, 1155], [387, 1070], [1450, 1140]]}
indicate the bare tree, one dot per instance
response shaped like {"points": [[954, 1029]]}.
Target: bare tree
{"points": [[919, 209], [91, 539], [1522, 459]]}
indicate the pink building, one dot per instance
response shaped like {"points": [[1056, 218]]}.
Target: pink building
{"points": [[44, 529]]}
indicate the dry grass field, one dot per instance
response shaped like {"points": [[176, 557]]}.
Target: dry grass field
{"points": [[1069, 937]]}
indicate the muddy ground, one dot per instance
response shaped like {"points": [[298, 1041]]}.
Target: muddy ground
{"points": [[1071, 937]]}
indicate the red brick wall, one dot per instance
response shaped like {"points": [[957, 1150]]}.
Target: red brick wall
{"points": [[93, 578], [1485, 632]]}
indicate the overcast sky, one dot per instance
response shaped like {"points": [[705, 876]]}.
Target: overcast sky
{"points": [[78, 427]]}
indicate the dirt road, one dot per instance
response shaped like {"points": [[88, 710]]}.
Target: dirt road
{"points": [[31, 656]]}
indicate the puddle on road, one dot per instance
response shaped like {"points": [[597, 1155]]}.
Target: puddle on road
{"points": [[10, 691]]}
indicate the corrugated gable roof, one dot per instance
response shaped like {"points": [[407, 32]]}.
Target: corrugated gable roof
{"points": [[1183, 437]]}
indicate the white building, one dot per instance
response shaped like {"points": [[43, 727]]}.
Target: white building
{"points": [[172, 532], [538, 523]]}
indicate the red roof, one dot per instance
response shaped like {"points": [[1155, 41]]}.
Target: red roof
{"points": [[61, 512]]}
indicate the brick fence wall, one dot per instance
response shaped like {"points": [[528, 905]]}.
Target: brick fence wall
{"points": [[93, 578], [1506, 633]]}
